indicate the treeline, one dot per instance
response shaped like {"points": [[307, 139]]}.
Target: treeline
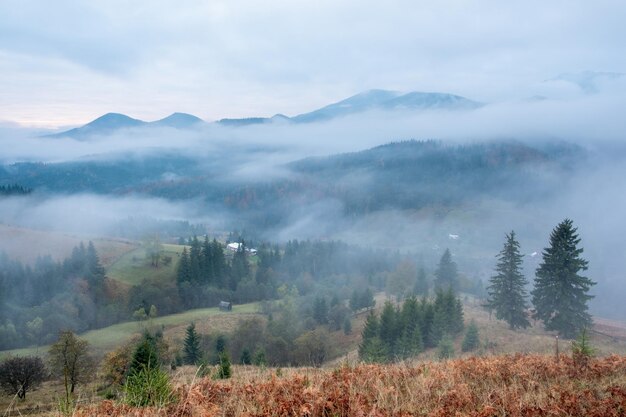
{"points": [[403, 332], [39, 300], [405, 175], [206, 273], [14, 189]]}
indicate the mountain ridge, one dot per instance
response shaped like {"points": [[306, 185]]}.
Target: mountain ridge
{"points": [[369, 100]]}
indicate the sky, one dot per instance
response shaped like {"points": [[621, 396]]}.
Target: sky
{"points": [[67, 62]]}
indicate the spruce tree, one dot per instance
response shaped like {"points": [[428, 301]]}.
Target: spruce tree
{"points": [[320, 310], [561, 293], [208, 275], [224, 370], [421, 284], [471, 339], [355, 302], [191, 348], [195, 260], [507, 295], [389, 328], [445, 348], [446, 274], [183, 273], [371, 348], [367, 299], [145, 357]]}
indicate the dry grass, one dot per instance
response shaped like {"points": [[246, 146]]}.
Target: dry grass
{"points": [[511, 385]]}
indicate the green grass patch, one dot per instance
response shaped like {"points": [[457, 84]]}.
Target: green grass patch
{"points": [[134, 267], [108, 338]]}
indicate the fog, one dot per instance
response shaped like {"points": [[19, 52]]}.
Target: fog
{"points": [[592, 196]]}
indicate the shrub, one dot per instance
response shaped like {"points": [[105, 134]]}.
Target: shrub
{"points": [[148, 387]]}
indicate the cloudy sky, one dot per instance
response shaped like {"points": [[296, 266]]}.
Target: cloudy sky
{"points": [[66, 62]]}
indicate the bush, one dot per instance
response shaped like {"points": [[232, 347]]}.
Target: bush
{"points": [[18, 375], [148, 387]]}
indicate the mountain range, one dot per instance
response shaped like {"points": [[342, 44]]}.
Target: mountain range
{"points": [[384, 100]]}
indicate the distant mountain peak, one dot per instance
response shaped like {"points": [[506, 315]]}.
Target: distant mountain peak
{"points": [[377, 99], [105, 124], [179, 120]]}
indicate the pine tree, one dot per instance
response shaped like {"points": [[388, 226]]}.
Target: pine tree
{"points": [[369, 333], [224, 370], [427, 313], [355, 302], [207, 267], [421, 284], [145, 357], [246, 357], [95, 270], [471, 339], [320, 310], [191, 348], [507, 295], [445, 348], [389, 328], [195, 260], [347, 326], [183, 273], [411, 342], [367, 299], [219, 263], [446, 275], [561, 294]]}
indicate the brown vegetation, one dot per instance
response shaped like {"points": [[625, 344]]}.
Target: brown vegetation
{"points": [[512, 385]]}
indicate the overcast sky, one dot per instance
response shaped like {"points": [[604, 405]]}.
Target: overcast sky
{"points": [[66, 62]]}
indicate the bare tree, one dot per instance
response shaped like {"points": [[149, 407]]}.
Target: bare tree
{"points": [[70, 360], [18, 375]]}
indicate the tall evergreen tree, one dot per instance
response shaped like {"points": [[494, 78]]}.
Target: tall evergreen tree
{"points": [[421, 284], [561, 293], [507, 296], [372, 349], [183, 274], [320, 310], [191, 348], [195, 260], [145, 356], [219, 264], [446, 274], [95, 270], [471, 341], [390, 327], [208, 275]]}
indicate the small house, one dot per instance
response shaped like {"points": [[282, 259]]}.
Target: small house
{"points": [[226, 306]]}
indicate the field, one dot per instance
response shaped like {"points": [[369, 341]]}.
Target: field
{"points": [[108, 338], [511, 385], [27, 244], [134, 267]]}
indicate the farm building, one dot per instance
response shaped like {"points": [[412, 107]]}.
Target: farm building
{"points": [[226, 306]]}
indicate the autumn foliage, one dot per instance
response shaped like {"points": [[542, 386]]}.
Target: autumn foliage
{"points": [[517, 385]]}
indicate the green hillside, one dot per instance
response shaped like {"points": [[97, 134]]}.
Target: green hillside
{"points": [[108, 338], [134, 267]]}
